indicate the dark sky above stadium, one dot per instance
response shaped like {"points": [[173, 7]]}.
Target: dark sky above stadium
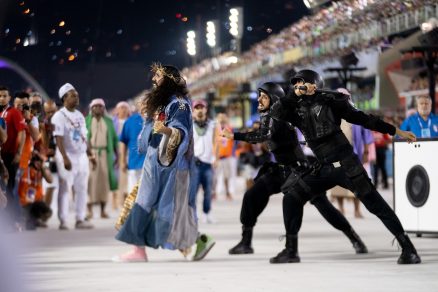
{"points": [[64, 33]]}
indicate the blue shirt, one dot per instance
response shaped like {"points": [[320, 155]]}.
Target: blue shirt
{"points": [[420, 127], [131, 129]]}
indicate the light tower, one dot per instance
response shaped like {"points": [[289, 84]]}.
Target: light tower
{"points": [[236, 28], [191, 45], [212, 35]]}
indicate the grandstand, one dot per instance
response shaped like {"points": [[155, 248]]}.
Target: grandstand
{"points": [[366, 27]]}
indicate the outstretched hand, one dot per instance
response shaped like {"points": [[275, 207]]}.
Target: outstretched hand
{"points": [[159, 127], [406, 135]]}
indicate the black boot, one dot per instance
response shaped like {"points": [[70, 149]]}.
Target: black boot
{"points": [[290, 253], [358, 244], [409, 253], [244, 246]]}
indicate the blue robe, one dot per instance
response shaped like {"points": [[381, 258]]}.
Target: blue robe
{"points": [[164, 213]]}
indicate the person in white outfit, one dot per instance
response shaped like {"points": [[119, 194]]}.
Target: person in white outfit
{"points": [[71, 157], [203, 136]]}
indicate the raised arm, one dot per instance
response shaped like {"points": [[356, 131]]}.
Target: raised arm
{"points": [[258, 136], [358, 117]]}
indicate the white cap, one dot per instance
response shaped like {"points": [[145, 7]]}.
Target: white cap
{"points": [[64, 89]]}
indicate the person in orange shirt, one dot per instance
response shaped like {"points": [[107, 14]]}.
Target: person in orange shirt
{"points": [[224, 153], [30, 188], [21, 103]]}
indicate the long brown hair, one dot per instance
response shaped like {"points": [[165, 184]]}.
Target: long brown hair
{"points": [[173, 84]]}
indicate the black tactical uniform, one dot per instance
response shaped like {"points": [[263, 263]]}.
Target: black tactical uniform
{"points": [[318, 117], [282, 141]]}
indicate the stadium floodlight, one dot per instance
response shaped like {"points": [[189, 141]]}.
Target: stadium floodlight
{"points": [[211, 34], [236, 22], [191, 44]]}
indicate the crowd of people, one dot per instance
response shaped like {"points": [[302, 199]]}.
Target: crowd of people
{"points": [[331, 23], [53, 155], [420, 82], [167, 147], [101, 151]]}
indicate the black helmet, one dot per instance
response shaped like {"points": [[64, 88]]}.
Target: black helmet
{"points": [[309, 76], [273, 90]]}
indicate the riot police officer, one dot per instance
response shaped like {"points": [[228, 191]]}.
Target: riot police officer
{"points": [[318, 114], [282, 141]]}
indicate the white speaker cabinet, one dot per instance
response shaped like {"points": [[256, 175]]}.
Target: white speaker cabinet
{"points": [[416, 185]]}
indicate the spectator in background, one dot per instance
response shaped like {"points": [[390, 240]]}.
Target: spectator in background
{"points": [[224, 154], [131, 160], [21, 103], [49, 145], [30, 188], [71, 157], [252, 159], [3, 170], [381, 141], [424, 124], [122, 113], [203, 136], [12, 149], [36, 104], [245, 156], [103, 141], [36, 110]]}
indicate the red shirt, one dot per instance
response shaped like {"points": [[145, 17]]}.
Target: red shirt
{"points": [[381, 140], [14, 123]]}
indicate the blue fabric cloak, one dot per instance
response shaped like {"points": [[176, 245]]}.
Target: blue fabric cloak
{"points": [[164, 213]]}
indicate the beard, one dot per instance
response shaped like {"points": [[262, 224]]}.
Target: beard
{"points": [[158, 98], [200, 116], [262, 109]]}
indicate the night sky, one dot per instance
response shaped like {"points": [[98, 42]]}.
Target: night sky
{"points": [[98, 31]]}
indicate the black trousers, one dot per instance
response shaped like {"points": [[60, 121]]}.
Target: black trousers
{"points": [[380, 166], [329, 176], [256, 199], [13, 207]]}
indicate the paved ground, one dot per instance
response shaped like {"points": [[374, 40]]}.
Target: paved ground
{"points": [[80, 260]]}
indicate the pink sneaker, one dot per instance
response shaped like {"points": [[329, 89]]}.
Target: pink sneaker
{"points": [[138, 254]]}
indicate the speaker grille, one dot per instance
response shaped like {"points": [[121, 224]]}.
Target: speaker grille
{"points": [[417, 186]]}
